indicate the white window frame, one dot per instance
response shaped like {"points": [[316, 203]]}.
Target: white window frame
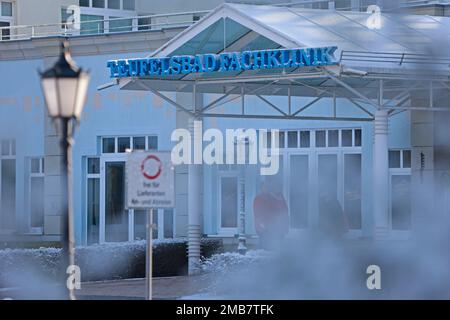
{"points": [[287, 177], [395, 233], [224, 231], [313, 153], [85, 209], [7, 18], [40, 174], [9, 156], [130, 137], [120, 157]]}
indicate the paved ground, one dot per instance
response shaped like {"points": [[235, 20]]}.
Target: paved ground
{"points": [[163, 288], [134, 289]]}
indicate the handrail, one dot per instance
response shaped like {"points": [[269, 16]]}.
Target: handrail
{"points": [[399, 58], [26, 32]]}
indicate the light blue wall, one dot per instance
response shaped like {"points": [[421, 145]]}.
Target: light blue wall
{"points": [[112, 112], [22, 119], [115, 112]]}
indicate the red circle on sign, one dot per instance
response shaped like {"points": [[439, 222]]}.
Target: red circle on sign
{"points": [[158, 172]]}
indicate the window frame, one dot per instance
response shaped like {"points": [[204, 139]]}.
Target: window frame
{"points": [[397, 233], [130, 137], [12, 155], [118, 157], [108, 14], [88, 176], [31, 175], [227, 231]]}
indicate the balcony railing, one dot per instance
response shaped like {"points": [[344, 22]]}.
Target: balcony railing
{"points": [[97, 27]]}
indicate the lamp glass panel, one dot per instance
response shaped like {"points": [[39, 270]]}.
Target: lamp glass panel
{"points": [[67, 96], [49, 88]]}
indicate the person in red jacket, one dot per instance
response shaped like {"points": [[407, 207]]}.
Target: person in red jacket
{"points": [[271, 214]]}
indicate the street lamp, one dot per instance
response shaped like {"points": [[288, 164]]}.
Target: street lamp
{"points": [[65, 88]]}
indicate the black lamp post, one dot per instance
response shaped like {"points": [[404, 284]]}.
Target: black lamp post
{"points": [[65, 89]]}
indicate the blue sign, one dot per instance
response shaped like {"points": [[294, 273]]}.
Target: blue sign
{"points": [[227, 61]]}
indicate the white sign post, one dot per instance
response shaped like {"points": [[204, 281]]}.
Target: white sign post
{"points": [[150, 184]]}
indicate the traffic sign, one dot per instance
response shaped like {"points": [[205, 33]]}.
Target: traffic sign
{"points": [[150, 180]]}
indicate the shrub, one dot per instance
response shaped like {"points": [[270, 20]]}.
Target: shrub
{"points": [[103, 262]]}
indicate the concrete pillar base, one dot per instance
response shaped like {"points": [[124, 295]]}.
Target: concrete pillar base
{"points": [[194, 232]]}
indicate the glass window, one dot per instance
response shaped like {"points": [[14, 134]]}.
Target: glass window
{"points": [[139, 143], [123, 144], [6, 9], [269, 139], [8, 194], [84, 3], [93, 210], [401, 202], [109, 145], [292, 139], [320, 138], [343, 4], [13, 147], [358, 138], [168, 223], [228, 203], [153, 143], [406, 158], [352, 190], [140, 224], [304, 139], [91, 24], [98, 3], [116, 217], [394, 158], [5, 147], [144, 23], [281, 139], [347, 138], [64, 15], [320, 5], [330, 210], [298, 191], [140, 221], [35, 166], [333, 138], [114, 4], [155, 234], [93, 165], [128, 4], [5, 32], [37, 202], [120, 25]]}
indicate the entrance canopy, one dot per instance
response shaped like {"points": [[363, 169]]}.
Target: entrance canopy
{"points": [[378, 68]]}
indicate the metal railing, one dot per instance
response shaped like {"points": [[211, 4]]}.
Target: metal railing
{"points": [[104, 26], [399, 59]]}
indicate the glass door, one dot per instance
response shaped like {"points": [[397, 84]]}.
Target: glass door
{"points": [[299, 190], [114, 218]]}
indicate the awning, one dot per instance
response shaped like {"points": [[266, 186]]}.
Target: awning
{"points": [[378, 68]]}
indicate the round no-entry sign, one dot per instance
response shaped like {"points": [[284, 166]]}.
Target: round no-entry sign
{"points": [[151, 167]]}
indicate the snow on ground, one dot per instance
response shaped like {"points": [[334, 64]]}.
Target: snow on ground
{"points": [[227, 261], [221, 266]]}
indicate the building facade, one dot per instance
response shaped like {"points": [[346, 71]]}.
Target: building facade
{"points": [[327, 149]]}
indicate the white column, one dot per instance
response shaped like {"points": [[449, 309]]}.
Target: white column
{"points": [[194, 202], [242, 248], [381, 175]]}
